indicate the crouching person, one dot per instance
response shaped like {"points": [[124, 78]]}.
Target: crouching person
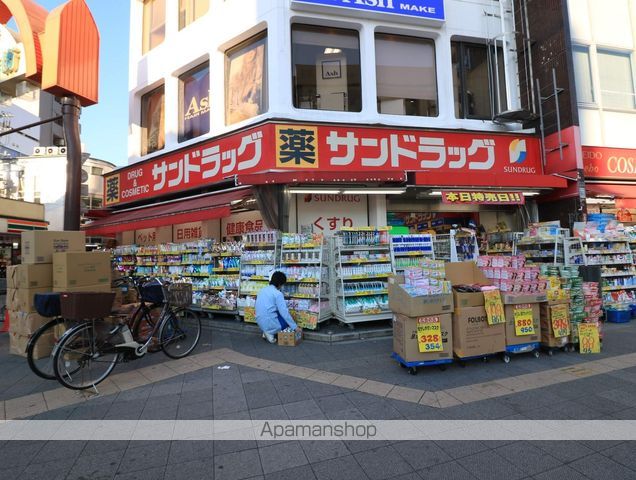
{"points": [[272, 314]]}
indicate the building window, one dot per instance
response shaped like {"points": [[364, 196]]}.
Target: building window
{"points": [[326, 68], [475, 82], [194, 112], [617, 81], [583, 74], [97, 171], [246, 80], [154, 29], [152, 121], [190, 10], [406, 78], [96, 202]]}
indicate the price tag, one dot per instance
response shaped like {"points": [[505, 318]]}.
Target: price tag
{"points": [[524, 321], [560, 320], [589, 341], [494, 307], [429, 334]]}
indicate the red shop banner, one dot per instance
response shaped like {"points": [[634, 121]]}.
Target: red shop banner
{"points": [[610, 163], [328, 148], [456, 197]]}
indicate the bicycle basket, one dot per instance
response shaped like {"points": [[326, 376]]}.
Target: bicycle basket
{"points": [[180, 294], [47, 304], [86, 305], [152, 293]]}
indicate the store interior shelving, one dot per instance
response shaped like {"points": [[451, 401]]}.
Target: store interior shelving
{"points": [[457, 246], [543, 245], [410, 251], [501, 243]]}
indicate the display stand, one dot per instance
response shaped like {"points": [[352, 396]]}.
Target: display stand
{"points": [[410, 251], [501, 243], [125, 259], [545, 246], [302, 262], [360, 271], [456, 246], [573, 249], [258, 262]]}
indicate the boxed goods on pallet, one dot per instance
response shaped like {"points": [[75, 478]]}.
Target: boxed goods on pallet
{"points": [[26, 323], [21, 300], [518, 282], [39, 246], [467, 280], [523, 323], [424, 338], [72, 270], [555, 323], [473, 336], [421, 291], [39, 275]]}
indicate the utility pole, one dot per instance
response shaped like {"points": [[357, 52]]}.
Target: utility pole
{"points": [[71, 110]]}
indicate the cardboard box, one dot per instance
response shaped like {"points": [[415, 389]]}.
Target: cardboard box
{"points": [[78, 269], [547, 332], [402, 303], [18, 344], [39, 275], [26, 323], [39, 246], [405, 339], [289, 339], [21, 300], [466, 273], [516, 299], [511, 334], [84, 288], [473, 337]]}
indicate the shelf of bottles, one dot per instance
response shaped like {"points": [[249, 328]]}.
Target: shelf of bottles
{"points": [[306, 291], [456, 246], [543, 245], [258, 262], [501, 243], [360, 272], [410, 251]]}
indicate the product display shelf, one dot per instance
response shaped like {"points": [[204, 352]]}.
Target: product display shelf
{"points": [[258, 261], [546, 245], [359, 275], [501, 243], [573, 250], [410, 251], [456, 246], [301, 260]]}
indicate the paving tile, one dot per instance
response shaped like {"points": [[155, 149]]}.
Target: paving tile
{"points": [[429, 399], [321, 450], [338, 469], [238, 465], [317, 389], [188, 451], [561, 473], [302, 409], [372, 387], [26, 406], [275, 412], [334, 403], [282, 456], [625, 454], [303, 472], [406, 394], [323, 377], [445, 400], [564, 451], [202, 469], [466, 394], [421, 454], [301, 372], [348, 381], [598, 466], [261, 394], [490, 466], [527, 457], [146, 457], [380, 411], [102, 465], [149, 474], [381, 463], [19, 453], [446, 471]]}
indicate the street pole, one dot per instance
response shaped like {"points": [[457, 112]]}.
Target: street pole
{"points": [[71, 110]]}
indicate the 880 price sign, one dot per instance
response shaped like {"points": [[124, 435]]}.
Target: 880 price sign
{"points": [[524, 320]]}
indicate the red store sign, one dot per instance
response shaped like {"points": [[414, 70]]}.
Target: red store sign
{"points": [[455, 197], [610, 163], [329, 148]]}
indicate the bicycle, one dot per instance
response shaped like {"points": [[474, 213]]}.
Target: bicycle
{"points": [[89, 352], [48, 305]]}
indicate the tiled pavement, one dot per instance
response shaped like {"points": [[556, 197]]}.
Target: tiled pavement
{"points": [[244, 392]]}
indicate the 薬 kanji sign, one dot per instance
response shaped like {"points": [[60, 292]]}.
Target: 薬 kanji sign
{"points": [[457, 197]]}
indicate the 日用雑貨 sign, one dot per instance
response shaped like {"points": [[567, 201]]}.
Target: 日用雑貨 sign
{"points": [[416, 9]]}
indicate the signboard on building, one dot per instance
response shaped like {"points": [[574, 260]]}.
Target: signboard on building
{"points": [[193, 231], [457, 197], [322, 213], [241, 223], [610, 163], [12, 58]]}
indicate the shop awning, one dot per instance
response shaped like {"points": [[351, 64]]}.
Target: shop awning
{"points": [[318, 177], [208, 207], [488, 180], [611, 189]]}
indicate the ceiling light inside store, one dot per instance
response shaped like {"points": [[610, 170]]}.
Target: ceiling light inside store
{"points": [[379, 191], [329, 50], [435, 194], [599, 201], [314, 190], [531, 194]]}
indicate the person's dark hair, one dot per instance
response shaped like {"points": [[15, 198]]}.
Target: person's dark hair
{"points": [[278, 279]]}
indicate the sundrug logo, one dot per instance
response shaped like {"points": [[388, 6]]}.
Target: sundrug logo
{"points": [[518, 151]]}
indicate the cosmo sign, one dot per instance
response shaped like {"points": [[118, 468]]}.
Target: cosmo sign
{"points": [[408, 9]]}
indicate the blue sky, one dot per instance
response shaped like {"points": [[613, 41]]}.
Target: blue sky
{"points": [[105, 125]]}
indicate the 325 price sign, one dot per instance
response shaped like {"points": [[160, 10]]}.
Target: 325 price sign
{"points": [[589, 340], [524, 320], [429, 334]]}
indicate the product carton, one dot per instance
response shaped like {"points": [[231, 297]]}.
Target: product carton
{"points": [[21, 300], [403, 303], [79, 269], [466, 273], [44, 347], [547, 331], [289, 339], [38, 275], [39, 246], [516, 299], [473, 336], [405, 339], [511, 332], [84, 288], [25, 323]]}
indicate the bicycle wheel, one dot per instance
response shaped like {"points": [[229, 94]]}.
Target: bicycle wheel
{"points": [[84, 356], [180, 333], [39, 349], [143, 325]]}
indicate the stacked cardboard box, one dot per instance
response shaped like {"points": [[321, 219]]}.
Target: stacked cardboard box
{"points": [[555, 323], [35, 275], [81, 272]]}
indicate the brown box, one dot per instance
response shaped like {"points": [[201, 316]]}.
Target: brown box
{"points": [[37, 275], [516, 299], [466, 273], [78, 269], [405, 339], [44, 347], [403, 303], [547, 333], [473, 337], [21, 300], [289, 339], [39, 246], [511, 334], [85, 288], [25, 323]]}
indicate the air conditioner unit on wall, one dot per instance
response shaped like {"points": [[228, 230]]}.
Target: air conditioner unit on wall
{"points": [[39, 151]]}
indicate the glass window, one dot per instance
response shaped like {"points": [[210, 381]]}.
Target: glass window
{"points": [[194, 114], [405, 70], [97, 202], [583, 74], [154, 29], [617, 82], [246, 80], [326, 68], [475, 82], [97, 170], [152, 121], [190, 10]]}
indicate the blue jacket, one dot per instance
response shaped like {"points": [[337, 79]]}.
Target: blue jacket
{"points": [[270, 303]]}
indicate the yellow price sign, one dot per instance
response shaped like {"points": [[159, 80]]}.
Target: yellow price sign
{"points": [[560, 320], [429, 334], [589, 340], [524, 320], [494, 307]]}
